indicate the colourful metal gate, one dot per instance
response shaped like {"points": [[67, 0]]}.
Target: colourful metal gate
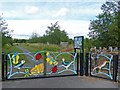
{"points": [[38, 65]]}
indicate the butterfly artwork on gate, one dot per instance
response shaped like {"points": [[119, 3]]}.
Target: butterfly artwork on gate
{"points": [[52, 62], [18, 66]]}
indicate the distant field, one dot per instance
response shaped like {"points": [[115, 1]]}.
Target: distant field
{"points": [[9, 49], [35, 47]]}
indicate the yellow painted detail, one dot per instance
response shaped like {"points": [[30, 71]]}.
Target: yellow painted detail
{"points": [[51, 62], [47, 59], [15, 60], [107, 61], [47, 53], [37, 69], [55, 63]]}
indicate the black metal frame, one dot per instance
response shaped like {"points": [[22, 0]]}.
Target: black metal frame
{"points": [[2, 73], [4, 69], [87, 64], [115, 69]]}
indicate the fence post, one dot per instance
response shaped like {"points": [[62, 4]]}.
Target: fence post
{"points": [[3, 57], [81, 64], [87, 64], [115, 67]]}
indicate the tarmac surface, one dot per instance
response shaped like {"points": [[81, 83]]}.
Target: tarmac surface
{"points": [[61, 82]]}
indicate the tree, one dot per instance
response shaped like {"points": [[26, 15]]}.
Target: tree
{"points": [[104, 29], [55, 35], [5, 32], [34, 38], [34, 35], [20, 40]]}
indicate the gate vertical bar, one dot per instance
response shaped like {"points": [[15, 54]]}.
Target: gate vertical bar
{"points": [[45, 64], [90, 64], [6, 64], [83, 68], [77, 63], [3, 69], [87, 64], [81, 64], [115, 67]]}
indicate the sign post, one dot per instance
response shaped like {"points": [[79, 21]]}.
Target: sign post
{"points": [[79, 45]]}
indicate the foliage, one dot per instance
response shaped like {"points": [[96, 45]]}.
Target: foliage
{"points": [[88, 43], [5, 32], [54, 35], [20, 40], [104, 29]]}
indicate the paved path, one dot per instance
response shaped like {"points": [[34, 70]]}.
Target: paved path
{"points": [[61, 82], [28, 57]]}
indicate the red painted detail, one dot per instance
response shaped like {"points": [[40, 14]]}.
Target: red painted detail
{"points": [[72, 55], [54, 69], [38, 56]]}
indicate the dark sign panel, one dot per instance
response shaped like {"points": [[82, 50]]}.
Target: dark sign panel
{"points": [[78, 42]]}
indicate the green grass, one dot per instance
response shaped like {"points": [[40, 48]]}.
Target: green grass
{"points": [[9, 49], [12, 49], [35, 47]]}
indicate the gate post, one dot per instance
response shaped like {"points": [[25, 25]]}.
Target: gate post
{"points": [[3, 69], [87, 64], [77, 63], [81, 64], [79, 45], [115, 67]]}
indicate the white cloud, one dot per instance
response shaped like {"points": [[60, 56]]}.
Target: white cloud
{"points": [[75, 27], [31, 9], [90, 11], [61, 12], [24, 28], [52, 0], [11, 13], [0, 5]]}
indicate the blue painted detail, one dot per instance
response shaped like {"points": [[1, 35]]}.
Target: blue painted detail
{"points": [[109, 74], [22, 65]]}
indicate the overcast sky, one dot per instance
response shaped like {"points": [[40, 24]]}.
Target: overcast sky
{"points": [[27, 16]]}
